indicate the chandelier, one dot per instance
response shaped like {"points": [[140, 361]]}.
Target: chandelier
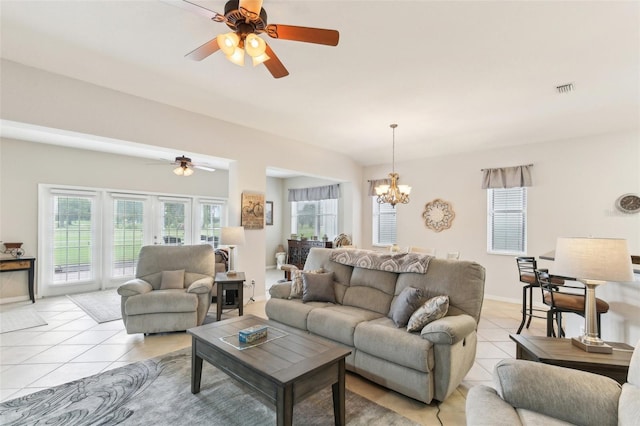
{"points": [[394, 193]]}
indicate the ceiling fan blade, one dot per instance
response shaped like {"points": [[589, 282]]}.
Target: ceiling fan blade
{"points": [[306, 34], [206, 168], [253, 6], [192, 7], [205, 50], [274, 65]]}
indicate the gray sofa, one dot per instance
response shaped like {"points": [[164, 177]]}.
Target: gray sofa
{"points": [[530, 393], [423, 365], [152, 303]]}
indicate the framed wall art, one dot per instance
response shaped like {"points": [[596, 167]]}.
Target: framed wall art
{"points": [[252, 216], [268, 213]]}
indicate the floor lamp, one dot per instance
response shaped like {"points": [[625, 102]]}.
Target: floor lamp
{"points": [[231, 237], [592, 261]]}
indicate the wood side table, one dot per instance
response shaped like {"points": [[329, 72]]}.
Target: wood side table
{"points": [[229, 282], [561, 352], [21, 264]]}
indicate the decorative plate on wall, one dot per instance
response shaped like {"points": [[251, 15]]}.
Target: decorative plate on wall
{"points": [[438, 215]]}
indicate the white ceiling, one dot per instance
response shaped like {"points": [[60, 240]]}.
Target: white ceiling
{"points": [[455, 76]]}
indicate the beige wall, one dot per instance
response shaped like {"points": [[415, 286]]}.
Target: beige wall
{"points": [[575, 185]]}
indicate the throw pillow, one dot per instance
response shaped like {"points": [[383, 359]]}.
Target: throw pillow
{"points": [[318, 287], [172, 279], [404, 305], [296, 281], [433, 309]]}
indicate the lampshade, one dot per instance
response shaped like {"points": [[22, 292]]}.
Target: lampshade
{"points": [[596, 259], [183, 171], [257, 60], [232, 236], [254, 45], [237, 57], [228, 42]]}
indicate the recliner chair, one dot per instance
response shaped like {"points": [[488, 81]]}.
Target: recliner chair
{"points": [[171, 291]]}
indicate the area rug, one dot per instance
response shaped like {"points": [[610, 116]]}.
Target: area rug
{"points": [[19, 319], [158, 392], [102, 306]]}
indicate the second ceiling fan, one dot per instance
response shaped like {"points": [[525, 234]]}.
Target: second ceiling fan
{"points": [[247, 19]]}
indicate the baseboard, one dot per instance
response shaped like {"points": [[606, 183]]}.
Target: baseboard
{"points": [[271, 266], [6, 300]]}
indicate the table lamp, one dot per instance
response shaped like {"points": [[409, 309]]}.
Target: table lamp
{"points": [[592, 261], [232, 236]]}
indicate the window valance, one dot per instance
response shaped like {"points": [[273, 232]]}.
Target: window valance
{"points": [[375, 182], [328, 192], [507, 177]]}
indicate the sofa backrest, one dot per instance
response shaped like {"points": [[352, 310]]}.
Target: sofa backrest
{"points": [[196, 260], [462, 281]]}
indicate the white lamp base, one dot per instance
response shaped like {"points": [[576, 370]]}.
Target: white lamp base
{"points": [[602, 348]]}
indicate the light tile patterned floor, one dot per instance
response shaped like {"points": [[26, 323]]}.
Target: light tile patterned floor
{"points": [[72, 345]]}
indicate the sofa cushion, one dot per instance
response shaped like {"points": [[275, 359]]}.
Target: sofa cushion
{"points": [[337, 322], [629, 405], [404, 305], [172, 279], [431, 310], [382, 338], [159, 301], [297, 283], [369, 289], [291, 312], [318, 288]]}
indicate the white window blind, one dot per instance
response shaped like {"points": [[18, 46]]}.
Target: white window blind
{"points": [[128, 235], [384, 223], [507, 221], [211, 222]]}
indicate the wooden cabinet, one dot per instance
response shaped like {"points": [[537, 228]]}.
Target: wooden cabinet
{"points": [[299, 250]]}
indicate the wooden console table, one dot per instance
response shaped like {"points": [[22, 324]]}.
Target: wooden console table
{"points": [[21, 264], [561, 352], [299, 250]]}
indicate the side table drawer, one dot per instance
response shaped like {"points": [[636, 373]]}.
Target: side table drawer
{"points": [[13, 265]]}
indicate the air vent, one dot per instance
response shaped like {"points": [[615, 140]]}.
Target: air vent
{"points": [[565, 88]]}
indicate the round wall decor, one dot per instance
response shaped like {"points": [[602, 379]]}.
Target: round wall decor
{"points": [[628, 203], [438, 215]]}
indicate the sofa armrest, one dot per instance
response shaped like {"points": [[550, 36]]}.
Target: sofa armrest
{"points": [[449, 330], [484, 407], [569, 395], [134, 287], [280, 290], [203, 285]]}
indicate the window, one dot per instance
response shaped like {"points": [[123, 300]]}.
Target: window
{"points": [[314, 218], [507, 221], [210, 222], [384, 223], [127, 235]]}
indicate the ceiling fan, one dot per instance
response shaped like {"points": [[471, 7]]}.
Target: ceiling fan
{"points": [[185, 166], [247, 19]]}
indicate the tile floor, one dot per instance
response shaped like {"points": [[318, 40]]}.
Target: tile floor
{"points": [[72, 345]]}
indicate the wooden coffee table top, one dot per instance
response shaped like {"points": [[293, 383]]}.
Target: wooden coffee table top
{"points": [[283, 358], [552, 350]]}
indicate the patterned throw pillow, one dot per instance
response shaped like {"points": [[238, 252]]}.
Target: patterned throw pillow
{"points": [[433, 309], [296, 282]]}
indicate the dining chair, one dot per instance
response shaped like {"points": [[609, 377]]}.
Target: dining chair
{"points": [[561, 298], [527, 266], [429, 251]]}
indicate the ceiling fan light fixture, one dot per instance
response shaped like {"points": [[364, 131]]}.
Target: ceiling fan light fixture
{"points": [[257, 60], [187, 171], [228, 42], [179, 171], [254, 45], [237, 57]]}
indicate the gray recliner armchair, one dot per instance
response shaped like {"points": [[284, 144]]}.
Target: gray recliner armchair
{"points": [[171, 291], [531, 393]]}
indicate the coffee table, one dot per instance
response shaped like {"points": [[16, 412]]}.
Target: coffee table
{"points": [[550, 350], [286, 367]]}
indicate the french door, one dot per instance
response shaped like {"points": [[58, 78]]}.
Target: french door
{"points": [[90, 239]]}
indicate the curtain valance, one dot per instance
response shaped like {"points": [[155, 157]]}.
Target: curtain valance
{"points": [[375, 182], [328, 192], [507, 177]]}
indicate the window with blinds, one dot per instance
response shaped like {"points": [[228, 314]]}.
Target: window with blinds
{"points": [[314, 218], [174, 216], [507, 221], [384, 223], [211, 222]]}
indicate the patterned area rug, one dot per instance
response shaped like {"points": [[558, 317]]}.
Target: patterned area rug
{"points": [[19, 319], [102, 306], [158, 392]]}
